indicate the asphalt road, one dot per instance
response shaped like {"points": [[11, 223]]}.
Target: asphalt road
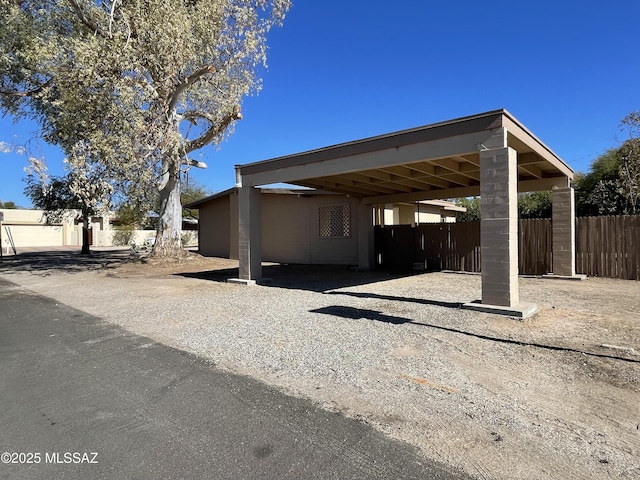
{"points": [[83, 399]]}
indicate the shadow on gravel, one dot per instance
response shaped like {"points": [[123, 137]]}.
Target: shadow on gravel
{"points": [[49, 262], [353, 313], [315, 278], [423, 301]]}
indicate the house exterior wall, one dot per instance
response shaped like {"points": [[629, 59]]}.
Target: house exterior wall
{"points": [[214, 225], [333, 251], [290, 229], [28, 229], [34, 235], [233, 226], [433, 214], [410, 214], [285, 229]]}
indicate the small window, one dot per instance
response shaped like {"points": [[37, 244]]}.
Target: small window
{"points": [[335, 221]]}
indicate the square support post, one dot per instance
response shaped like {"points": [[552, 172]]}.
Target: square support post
{"points": [[499, 226], [249, 234], [564, 234], [366, 251]]}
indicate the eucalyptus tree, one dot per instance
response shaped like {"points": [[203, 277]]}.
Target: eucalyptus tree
{"points": [[144, 83]]}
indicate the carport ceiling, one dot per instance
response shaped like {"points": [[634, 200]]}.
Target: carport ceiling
{"points": [[441, 160]]}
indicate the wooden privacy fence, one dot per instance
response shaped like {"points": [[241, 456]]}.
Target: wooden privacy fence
{"points": [[608, 246], [605, 246]]}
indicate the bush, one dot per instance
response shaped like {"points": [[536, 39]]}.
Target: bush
{"points": [[123, 234], [189, 238]]}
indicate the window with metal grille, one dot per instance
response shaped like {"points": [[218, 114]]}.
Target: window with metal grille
{"points": [[335, 221]]}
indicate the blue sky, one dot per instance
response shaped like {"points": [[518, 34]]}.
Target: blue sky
{"points": [[339, 71]]}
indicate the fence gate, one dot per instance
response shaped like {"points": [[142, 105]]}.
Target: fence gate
{"points": [[394, 247]]}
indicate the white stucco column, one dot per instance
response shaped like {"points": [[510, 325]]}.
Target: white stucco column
{"points": [[249, 233], [564, 235], [366, 251], [499, 227]]}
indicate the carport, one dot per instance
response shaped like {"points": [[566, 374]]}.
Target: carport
{"points": [[490, 154]]}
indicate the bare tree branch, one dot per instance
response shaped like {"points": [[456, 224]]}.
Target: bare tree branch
{"points": [[87, 21], [28, 93], [186, 83], [215, 129]]}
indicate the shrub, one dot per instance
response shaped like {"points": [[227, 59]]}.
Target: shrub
{"points": [[123, 234]]}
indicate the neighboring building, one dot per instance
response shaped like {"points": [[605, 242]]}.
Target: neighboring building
{"points": [[29, 228], [302, 225], [426, 211]]}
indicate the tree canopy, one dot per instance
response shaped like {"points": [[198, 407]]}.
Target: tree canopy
{"points": [[530, 205], [141, 84], [612, 186]]}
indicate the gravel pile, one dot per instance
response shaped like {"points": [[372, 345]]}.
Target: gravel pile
{"points": [[398, 353]]}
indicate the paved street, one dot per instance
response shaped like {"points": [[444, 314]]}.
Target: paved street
{"points": [[84, 399]]}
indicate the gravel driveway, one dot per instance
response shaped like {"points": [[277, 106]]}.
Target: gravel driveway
{"points": [[497, 397]]}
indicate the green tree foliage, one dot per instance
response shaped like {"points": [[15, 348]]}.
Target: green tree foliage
{"points": [[472, 204], [629, 169], [612, 186], [7, 204], [191, 192], [132, 215], [143, 83], [530, 205], [534, 205], [597, 192]]}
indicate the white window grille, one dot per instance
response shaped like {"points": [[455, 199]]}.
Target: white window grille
{"points": [[335, 221]]}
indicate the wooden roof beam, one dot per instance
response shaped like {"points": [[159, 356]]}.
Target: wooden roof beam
{"points": [[415, 179], [322, 184], [460, 169], [364, 182], [531, 170]]}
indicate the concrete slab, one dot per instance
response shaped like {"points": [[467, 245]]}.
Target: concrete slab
{"points": [[577, 277], [241, 281], [520, 311]]}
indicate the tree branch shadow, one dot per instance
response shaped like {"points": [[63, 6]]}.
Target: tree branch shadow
{"points": [[49, 262]]}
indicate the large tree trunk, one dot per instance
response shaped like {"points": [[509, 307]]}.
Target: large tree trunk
{"points": [[85, 234], [169, 230]]}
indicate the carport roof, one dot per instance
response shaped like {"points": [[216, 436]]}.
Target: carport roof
{"points": [[434, 161]]}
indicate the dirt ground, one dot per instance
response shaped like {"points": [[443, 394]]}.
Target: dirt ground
{"points": [[554, 396]]}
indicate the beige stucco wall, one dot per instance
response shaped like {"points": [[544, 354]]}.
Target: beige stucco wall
{"points": [[433, 214], [290, 229], [33, 235], [333, 251], [403, 214], [104, 238], [285, 229], [28, 229], [214, 228]]}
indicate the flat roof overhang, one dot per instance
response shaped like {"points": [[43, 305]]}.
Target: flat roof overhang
{"points": [[436, 161]]}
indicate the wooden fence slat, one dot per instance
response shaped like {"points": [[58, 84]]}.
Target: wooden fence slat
{"points": [[605, 246]]}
